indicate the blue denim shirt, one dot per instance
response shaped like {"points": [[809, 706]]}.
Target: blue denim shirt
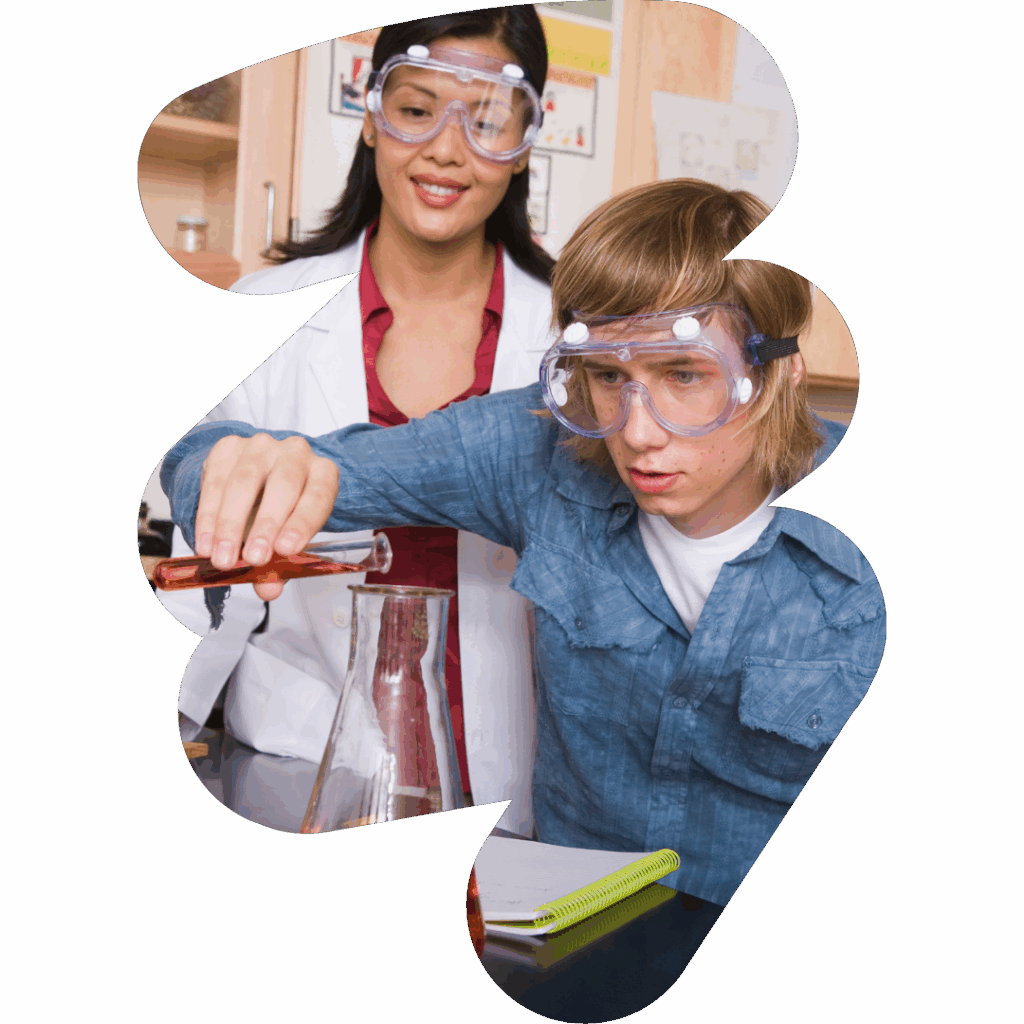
{"points": [[647, 736]]}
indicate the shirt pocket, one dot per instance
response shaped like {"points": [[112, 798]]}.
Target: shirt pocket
{"points": [[591, 636], [791, 711]]}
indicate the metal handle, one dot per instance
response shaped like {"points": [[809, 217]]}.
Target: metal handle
{"points": [[269, 186]]}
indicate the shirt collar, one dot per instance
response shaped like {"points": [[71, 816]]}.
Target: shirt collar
{"points": [[587, 485], [817, 536]]}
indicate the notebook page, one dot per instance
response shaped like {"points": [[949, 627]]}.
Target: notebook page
{"points": [[516, 876]]}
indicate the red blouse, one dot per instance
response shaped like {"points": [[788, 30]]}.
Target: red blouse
{"points": [[427, 556]]}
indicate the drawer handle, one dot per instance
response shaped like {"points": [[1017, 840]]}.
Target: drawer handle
{"points": [[269, 186]]}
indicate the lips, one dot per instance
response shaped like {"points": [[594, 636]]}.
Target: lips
{"points": [[652, 483], [438, 192]]}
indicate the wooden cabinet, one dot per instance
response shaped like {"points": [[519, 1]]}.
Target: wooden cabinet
{"points": [[220, 170], [688, 49]]}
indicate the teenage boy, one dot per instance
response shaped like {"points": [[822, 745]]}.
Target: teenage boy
{"points": [[697, 651]]}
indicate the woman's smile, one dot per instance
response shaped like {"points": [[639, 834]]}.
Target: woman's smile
{"points": [[437, 192]]}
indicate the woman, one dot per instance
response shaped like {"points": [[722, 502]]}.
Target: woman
{"points": [[452, 301]]}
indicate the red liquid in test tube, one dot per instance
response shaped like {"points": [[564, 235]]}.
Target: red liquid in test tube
{"points": [[325, 559]]}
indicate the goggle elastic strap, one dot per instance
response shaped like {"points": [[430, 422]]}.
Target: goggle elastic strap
{"points": [[763, 350]]}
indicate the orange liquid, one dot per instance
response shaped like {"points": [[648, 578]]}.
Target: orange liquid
{"points": [[474, 914], [192, 571]]}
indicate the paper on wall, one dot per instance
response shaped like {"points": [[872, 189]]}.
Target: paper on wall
{"points": [[540, 189], [725, 143], [569, 103], [351, 65]]}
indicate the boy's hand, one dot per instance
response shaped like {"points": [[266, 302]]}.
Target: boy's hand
{"points": [[280, 490]]}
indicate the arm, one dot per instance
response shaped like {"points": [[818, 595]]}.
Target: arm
{"points": [[477, 466]]}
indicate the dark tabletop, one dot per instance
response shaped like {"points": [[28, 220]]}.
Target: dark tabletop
{"points": [[575, 976]]}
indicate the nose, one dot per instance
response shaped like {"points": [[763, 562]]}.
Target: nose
{"points": [[641, 431], [448, 146]]}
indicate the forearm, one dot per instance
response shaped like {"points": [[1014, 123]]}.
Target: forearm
{"points": [[423, 473]]}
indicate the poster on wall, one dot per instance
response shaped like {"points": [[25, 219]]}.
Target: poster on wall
{"points": [[569, 103], [351, 65], [724, 143], [540, 191]]}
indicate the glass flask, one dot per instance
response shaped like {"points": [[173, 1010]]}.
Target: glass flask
{"points": [[390, 753], [323, 559]]}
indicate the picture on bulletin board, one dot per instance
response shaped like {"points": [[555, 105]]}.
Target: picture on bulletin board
{"points": [[540, 190], [569, 105], [350, 69]]}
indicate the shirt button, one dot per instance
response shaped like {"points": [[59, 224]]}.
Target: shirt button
{"points": [[340, 618], [679, 702], [578, 623], [814, 721]]}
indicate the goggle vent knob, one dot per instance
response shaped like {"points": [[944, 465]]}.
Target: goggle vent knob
{"points": [[686, 328], [418, 50], [576, 333]]}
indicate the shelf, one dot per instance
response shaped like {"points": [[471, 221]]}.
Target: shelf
{"points": [[189, 139]]}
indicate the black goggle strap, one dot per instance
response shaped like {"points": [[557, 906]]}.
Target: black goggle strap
{"points": [[763, 350]]}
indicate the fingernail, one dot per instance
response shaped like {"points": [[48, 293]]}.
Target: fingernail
{"points": [[256, 551], [223, 556], [288, 543]]}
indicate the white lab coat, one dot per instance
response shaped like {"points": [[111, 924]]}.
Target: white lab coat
{"points": [[282, 697]]}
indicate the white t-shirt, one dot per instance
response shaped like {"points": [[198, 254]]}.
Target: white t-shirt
{"points": [[689, 566]]}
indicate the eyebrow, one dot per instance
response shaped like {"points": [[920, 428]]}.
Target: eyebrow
{"points": [[613, 362], [489, 101]]}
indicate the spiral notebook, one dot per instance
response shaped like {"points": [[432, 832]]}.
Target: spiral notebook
{"points": [[533, 888]]}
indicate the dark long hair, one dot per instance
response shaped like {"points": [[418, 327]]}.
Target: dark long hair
{"points": [[517, 28]]}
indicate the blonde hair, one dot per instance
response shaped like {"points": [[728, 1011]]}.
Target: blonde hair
{"points": [[662, 246]]}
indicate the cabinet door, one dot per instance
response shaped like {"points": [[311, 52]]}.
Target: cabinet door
{"points": [[266, 145]]}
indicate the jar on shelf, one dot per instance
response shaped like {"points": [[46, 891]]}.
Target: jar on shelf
{"points": [[190, 234]]}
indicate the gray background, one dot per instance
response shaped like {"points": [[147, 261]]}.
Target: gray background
{"points": [[134, 897]]}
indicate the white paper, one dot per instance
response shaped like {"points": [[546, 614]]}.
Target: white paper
{"points": [[515, 876], [724, 143]]}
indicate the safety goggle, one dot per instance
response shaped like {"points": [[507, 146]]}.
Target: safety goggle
{"points": [[416, 93], [691, 369]]}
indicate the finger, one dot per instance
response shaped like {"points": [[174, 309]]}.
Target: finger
{"points": [[216, 470], [241, 492], [268, 591], [313, 508], [282, 491]]}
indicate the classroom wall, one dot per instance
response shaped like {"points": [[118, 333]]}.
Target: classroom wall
{"points": [[636, 53]]}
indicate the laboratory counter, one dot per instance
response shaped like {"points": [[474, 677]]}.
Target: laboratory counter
{"points": [[600, 970]]}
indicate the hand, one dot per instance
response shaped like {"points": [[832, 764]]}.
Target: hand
{"points": [[274, 495]]}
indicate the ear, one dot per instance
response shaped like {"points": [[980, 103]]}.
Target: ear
{"points": [[797, 369], [369, 130], [521, 162]]}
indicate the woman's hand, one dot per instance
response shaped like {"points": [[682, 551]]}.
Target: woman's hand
{"points": [[280, 490]]}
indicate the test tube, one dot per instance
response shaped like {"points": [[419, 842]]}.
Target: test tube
{"points": [[324, 559]]}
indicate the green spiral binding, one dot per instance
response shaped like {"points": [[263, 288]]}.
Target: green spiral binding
{"points": [[594, 898]]}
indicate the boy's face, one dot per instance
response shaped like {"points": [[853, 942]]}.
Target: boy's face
{"points": [[702, 485]]}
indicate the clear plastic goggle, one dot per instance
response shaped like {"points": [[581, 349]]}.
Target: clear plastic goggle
{"points": [[416, 93], [691, 369]]}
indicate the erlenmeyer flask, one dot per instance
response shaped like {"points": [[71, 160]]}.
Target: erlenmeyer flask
{"points": [[391, 752]]}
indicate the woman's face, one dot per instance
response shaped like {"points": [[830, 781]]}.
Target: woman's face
{"points": [[441, 191]]}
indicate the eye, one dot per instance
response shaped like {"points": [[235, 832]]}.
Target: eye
{"points": [[412, 112], [685, 377], [606, 378]]}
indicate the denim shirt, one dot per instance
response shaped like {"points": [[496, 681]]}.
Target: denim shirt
{"points": [[647, 736]]}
